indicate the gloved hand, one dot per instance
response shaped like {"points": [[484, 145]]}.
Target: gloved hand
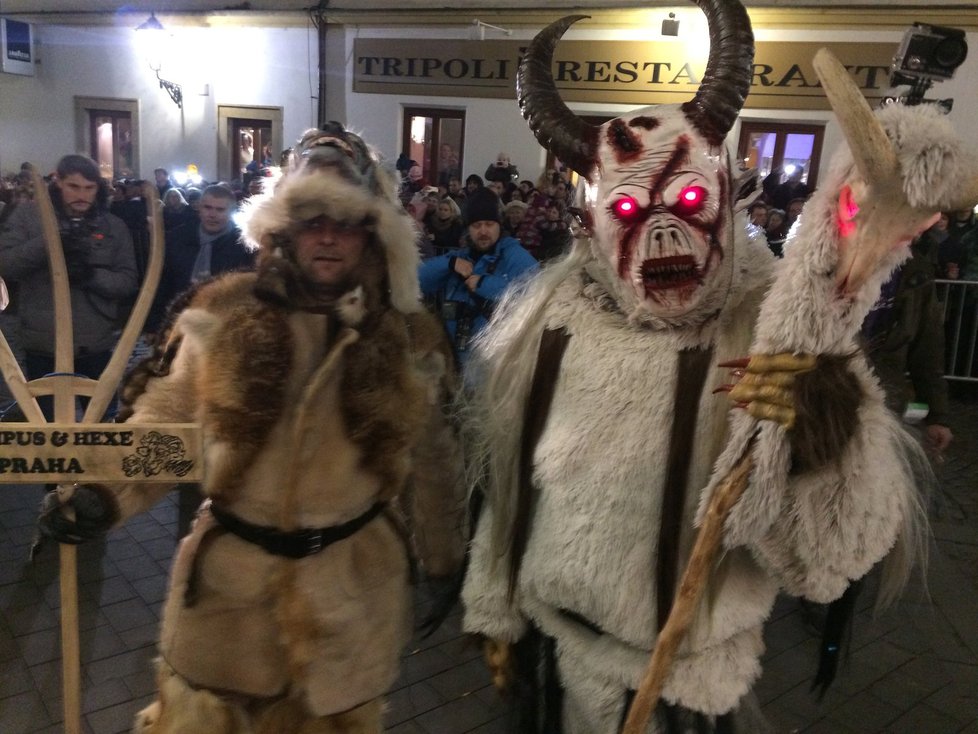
{"points": [[95, 510], [77, 251]]}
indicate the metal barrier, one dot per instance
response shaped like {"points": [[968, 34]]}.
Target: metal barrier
{"points": [[960, 317]]}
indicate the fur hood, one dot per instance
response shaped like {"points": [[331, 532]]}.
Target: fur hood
{"points": [[270, 220], [934, 165]]}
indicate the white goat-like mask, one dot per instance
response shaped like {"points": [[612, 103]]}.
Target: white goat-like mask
{"points": [[659, 212], [659, 194]]}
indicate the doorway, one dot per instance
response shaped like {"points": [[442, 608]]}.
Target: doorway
{"points": [[249, 138], [254, 149], [434, 139], [110, 143], [108, 130]]}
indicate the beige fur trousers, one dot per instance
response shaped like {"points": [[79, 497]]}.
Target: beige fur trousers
{"points": [[180, 709]]}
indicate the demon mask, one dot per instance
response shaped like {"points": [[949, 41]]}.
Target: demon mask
{"points": [[659, 180]]}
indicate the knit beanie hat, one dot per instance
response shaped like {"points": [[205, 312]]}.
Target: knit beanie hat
{"points": [[482, 206]]}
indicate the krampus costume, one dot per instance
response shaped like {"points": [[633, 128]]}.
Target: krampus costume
{"points": [[601, 437], [327, 455]]}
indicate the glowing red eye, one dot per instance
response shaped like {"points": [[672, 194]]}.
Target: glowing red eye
{"points": [[626, 208], [691, 198]]}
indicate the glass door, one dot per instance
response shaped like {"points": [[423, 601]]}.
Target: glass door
{"points": [[434, 139], [110, 143]]}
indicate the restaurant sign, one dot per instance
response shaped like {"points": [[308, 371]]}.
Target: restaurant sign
{"points": [[623, 72]]}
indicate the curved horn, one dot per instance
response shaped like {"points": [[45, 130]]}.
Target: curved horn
{"points": [[726, 81], [871, 149], [567, 136]]}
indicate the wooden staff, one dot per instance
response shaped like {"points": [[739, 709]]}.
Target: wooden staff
{"points": [[690, 592], [65, 387]]}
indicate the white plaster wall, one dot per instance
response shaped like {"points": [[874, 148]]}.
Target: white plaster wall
{"points": [[277, 67], [236, 66]]}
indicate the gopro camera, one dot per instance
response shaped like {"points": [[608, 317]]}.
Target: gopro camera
{"points": [[929, 52]]}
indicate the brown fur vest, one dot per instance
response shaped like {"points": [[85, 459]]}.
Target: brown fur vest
{"points": [[249, 357]]}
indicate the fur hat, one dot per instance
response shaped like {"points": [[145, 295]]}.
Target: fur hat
{"points": [[482, 206], [271, 220]]}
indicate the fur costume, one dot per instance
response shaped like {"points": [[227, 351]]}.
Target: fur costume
{"points": [[315, 407], [588, 523]]}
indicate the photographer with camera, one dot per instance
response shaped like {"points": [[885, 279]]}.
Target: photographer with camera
{"points": [[101, 268], [465, 284], [502, 170]]}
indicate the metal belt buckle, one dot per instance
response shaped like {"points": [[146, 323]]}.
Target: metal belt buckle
{"points": [[314, 543]]}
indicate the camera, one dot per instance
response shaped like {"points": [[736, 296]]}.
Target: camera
{"points": [[929, 52]]}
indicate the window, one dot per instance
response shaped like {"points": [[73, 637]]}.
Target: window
{"points": [[434, 139], [777, 149], [107, 129]]}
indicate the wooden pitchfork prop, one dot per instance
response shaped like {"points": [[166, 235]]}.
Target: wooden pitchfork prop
{"points": [[65, 387]]}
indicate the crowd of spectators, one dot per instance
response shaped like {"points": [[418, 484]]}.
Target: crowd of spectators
{"points": [[479, 236], [539, 215], [185, 234]]}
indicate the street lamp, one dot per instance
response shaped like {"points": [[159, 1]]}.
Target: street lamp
{"points": [[153, 40]]}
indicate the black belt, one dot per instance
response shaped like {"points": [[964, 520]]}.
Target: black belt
{"points": [[294, 543]]}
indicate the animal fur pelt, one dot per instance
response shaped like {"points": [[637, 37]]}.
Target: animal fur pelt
{"points": [[248, 362], [826, 401], [181, 709]]}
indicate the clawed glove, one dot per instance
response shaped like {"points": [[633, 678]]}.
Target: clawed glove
{"points": [[95, 511]]}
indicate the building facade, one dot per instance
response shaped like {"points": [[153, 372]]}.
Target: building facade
{"points": [[441, 91]]}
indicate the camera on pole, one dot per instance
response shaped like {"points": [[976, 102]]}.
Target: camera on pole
{"points": [[927, 54]]}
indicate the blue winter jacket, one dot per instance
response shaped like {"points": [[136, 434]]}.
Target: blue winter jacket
{"points": [[465, 313]]}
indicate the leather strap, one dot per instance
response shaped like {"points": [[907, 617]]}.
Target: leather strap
{"points": [[292, 543]]}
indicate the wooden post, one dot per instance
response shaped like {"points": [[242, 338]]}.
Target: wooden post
{"points": [[65, 387]]}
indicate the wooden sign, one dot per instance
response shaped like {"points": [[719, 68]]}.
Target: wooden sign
{"points": [[66, 452], [100, 452]]}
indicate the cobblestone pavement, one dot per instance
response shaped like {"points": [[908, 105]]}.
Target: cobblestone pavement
{"points": [[911, 670]]}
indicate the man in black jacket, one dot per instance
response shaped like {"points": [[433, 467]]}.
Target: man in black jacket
{"points": [[198, 250], [101, 266], [905, 342]]}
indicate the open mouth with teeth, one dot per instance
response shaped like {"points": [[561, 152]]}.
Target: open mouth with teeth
{"points": [[670, 273]]}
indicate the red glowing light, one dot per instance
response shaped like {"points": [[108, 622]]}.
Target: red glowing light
{"points": [[692, 197], [626, 208], [848, 209]]}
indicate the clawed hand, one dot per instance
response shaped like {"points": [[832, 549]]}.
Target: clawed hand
{"points": [[763, 384]]}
